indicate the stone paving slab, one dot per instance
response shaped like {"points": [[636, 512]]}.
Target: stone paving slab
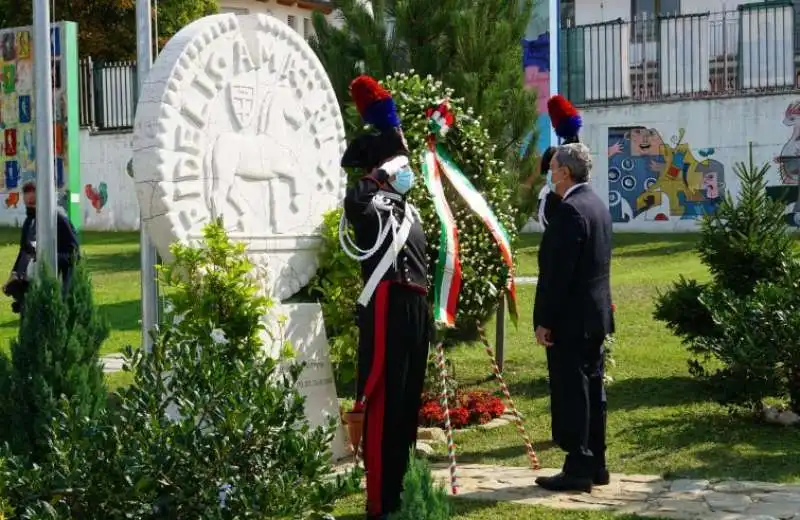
{"points": [[112, 363], [644, 495]]}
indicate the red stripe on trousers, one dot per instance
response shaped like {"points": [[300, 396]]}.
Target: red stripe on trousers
{"points": [[375, 392]]}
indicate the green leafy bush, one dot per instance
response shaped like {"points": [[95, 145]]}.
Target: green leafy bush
{"points": [[338, 282], [421, 498], [739, 327], [57, 353], [212, 427]]}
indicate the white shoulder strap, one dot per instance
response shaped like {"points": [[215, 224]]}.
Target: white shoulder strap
{"points": [[389, 257]]}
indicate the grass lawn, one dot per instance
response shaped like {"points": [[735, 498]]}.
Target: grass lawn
{"points": [[463, 509], [660, 421], [114, 262]]}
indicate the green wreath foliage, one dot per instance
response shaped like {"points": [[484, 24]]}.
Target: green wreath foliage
{"points": [[483, 271]]}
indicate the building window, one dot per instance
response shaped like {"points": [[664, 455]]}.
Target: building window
{"points": [[292, 21], [645, 14], [241, 11], [567, 12], [644, 9], [308, 29]]}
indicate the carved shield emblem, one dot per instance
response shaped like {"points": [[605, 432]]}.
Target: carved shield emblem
{"points": [[242, 100]]}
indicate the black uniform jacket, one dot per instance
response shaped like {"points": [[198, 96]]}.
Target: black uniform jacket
{"points": [[412, 261], [66, 244], [551, 202], [573, 292]]}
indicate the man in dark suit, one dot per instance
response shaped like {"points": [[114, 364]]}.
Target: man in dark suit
{"points": [[572, 317]]}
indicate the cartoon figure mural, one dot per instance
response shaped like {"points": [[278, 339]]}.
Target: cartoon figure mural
{"points": [[789, 167], [651, 180], [536, 63]]}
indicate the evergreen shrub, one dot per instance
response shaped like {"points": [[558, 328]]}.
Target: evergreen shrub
{"points": [[741, 327]]}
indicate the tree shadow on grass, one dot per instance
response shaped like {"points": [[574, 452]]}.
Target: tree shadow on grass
{"points": [[116, 262], [630, 394], [501, 453], [533, 388], [739, 446], [666, 249], [106, 238], [123, 315], [654, 392]]}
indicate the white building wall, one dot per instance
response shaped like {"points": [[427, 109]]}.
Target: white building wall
{"points": [[108, 198], [296, 16], [592, 11]]}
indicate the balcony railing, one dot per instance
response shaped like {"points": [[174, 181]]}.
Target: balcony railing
{"points": [[751, 50], [107, 94]]}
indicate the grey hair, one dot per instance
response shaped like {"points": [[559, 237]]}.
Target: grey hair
{"points": [[577, 158]]}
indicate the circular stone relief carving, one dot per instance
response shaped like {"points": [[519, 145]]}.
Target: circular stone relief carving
{"points": [[238, 120]]}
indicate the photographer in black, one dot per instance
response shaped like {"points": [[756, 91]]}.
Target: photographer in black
{"points": [[25, 265]]}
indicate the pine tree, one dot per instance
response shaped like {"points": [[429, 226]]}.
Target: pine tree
{"points": [[472, 47], [56, 354], [421, 498], [746, 240], [739, 326]]}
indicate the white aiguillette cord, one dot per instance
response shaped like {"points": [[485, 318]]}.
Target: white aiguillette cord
{"points": [[399, 237], [380, 201]]}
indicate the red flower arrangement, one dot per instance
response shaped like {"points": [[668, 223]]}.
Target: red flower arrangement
{"points": [[470, 409]]}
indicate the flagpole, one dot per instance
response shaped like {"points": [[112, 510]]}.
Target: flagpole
{"points": [[554, 18], [147, 252], [45, 161]]}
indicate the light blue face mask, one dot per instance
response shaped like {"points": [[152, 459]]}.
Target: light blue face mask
{"points": [[403, 180], [549, 179]]}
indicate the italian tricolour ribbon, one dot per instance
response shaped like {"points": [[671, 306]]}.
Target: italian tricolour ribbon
{"points": [[447, 283]]}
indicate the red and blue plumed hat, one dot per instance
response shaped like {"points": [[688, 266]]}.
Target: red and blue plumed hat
{"points": [[564, 117], [377, 108], [374, 103]]}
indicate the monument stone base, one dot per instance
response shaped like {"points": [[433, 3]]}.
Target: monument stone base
{"points": [[301, 324]]}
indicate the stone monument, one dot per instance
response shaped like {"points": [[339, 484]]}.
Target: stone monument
{"points": [[238, 120]]}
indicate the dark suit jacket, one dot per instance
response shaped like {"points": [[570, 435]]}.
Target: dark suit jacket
{"points": [[573, 292]]}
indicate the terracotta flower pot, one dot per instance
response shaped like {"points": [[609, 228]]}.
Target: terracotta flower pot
{"points": [[355, 429]]}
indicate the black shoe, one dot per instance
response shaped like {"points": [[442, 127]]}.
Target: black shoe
{"points": [[564, 482], [601, 478]]}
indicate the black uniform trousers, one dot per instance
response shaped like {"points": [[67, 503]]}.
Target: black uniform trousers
{"points": [[578, 403], [394, 332]]}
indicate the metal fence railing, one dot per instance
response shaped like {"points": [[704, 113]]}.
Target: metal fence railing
{"points": [[750, 50], [107, 94]]}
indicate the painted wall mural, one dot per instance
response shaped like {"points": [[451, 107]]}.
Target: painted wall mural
{"points": [[97, 196], [536, 63], [650, 179], [17, 116], [788, 162]]}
